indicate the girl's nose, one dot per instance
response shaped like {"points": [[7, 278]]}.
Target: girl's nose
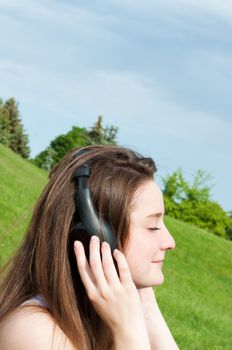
{"points": [[168, 241]]}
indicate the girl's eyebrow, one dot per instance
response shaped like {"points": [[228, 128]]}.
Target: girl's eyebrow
{"points": [[154, 215]]}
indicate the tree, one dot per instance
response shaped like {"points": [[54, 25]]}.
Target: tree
{"points": [[192, 203], [60, 146], [11, 128], [4, 126], [229, 225], [100, 135], [45, 159]]}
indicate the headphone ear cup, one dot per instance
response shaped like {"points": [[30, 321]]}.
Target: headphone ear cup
{"points": [[77, 234]]}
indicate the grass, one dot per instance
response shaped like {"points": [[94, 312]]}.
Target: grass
{"points": [[196, 295], [195, 298], [20, 184]]}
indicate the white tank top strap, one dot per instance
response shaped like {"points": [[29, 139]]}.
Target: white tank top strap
{"points": [[38, 299]]}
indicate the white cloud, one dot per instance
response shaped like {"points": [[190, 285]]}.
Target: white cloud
{"points": [[221, 9], [57, 12], [127, 98], [25, 7]]}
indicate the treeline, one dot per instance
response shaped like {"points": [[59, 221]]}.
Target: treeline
{"points": [[76, 137], [187, 202]]}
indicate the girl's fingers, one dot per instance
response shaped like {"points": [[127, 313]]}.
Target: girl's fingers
{"points": [[124, 271], [96, 263], [83, 267], [108, 265], [98, 275]]}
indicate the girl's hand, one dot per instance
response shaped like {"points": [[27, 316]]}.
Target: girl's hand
{"points": [[115, 298], [159, 334], [148, 300], [150, 312]]}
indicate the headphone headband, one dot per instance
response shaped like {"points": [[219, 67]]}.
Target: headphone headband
{"points": [[85, 208]]}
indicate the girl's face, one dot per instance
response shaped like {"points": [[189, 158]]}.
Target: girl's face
{"points": [[148, 236]]}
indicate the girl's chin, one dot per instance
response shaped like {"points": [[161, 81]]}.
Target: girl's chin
{"points": [[152, 282], [159, 282]]}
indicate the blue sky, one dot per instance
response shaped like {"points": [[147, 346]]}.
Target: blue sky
{"points": [[159, 70]]}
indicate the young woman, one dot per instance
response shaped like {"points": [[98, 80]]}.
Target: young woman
{"points": [[64, 290]]}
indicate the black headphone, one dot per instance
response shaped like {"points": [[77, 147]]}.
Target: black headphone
{"points": [[87, 215]]}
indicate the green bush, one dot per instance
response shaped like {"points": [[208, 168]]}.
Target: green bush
{"points": [[192, 203]]}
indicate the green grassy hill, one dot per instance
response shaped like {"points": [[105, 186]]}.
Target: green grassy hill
{"points": [[20, 184], [196, 296]]}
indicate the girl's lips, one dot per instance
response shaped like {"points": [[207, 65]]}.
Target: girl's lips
{"points": [[158, 261]]}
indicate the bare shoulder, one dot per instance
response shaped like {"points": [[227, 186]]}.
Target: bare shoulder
{"points": [[29, 328]]}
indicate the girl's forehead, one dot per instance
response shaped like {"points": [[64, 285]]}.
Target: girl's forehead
{"points": [[148, 200]]}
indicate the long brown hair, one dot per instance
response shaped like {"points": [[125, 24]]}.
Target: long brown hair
{"points": [[45, 262]]}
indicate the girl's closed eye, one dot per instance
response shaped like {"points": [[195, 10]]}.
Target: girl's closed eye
{"points": [[154, 228]]}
